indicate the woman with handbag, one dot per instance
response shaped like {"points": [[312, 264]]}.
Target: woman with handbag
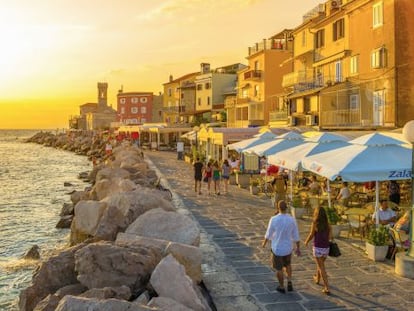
{"points": [[321, 234]]}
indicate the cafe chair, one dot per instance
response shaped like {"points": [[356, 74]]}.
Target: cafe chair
{"points": [[357, 224]]}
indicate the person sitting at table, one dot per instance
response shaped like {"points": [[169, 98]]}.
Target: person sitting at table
{"points": [[385, 214], [344, 194], [303, 181], [403, 227]]}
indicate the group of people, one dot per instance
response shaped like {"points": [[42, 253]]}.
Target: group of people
{"points": [[211, 172], [283, 233]]}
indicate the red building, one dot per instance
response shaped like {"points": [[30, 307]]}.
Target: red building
{"points": [[135, 107]]}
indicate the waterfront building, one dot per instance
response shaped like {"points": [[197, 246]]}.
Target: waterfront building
{"points": [[259, 84], [353, 66], [134, 107]]}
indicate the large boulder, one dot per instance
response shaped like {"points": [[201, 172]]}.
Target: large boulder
{"points": [[135, 241], [57, 272], [105, 187], [122, 292], [86, 220], [72, 303], [112, 173], [105, 265], [170, 280], [170, 226], [77, 196], [189, 256], [124, 208], [49, 303], [168, 304]]}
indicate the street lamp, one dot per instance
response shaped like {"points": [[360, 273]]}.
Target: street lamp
{"points": [[408, 132]]}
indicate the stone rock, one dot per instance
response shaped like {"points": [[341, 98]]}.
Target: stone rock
{"points": [[143, 299], [67, 209], [105, 265], [32, 253], [132, 240], [67, 184], [87, 217], [123, 208], [48, 304], [190, 257], [72, 303], [167, 304], [64, 222], [78, 196], [169, 226], [123, 292], [72, 289], [170, 280], [57, 272], [112, 173]]}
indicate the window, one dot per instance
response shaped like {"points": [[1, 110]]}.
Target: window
{"points": [[143, 110], [377, 15], [378, 58], [244, 93], [256, 91], [320, 38], [134, 110], [354, 101], [143, 100], [354, 64], [338, 29], [177, 89], [143, 120], [122, 100], [134, 100], [304, 38], [208, 85], [256, 65], [199, 101], [169, 92], [208, 100], [182, 95], [199, 87], [338, 71], [123, 110]]}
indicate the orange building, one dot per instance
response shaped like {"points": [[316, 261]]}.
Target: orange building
{"points": [[134, 107]]}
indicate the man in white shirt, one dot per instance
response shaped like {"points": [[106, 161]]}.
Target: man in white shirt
{"points": [[282, 231], [386, 215]]}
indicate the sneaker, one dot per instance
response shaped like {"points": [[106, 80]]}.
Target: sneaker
{"points": [[290, 287], [280, 289]]}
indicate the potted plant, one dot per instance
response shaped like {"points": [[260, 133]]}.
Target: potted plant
{"points": [[297, 207], [377, 243], [334, 219], [243, 180], [254, 186]]}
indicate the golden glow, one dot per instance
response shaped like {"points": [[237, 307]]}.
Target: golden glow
{"points": [[54, 52]]}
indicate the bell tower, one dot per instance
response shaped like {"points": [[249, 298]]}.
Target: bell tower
{"points": [[102, 95]]}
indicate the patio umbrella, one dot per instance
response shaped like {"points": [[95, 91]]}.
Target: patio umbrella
{"points": [[370, 157], [292, 157], [255, 140]]}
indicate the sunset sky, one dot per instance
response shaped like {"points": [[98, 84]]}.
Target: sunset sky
{"points": [[54, 52]]}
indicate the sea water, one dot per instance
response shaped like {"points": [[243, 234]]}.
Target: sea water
{"points": [[32, 193]]}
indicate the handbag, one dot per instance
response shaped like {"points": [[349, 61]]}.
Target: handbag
{"points": [[334, 250]]}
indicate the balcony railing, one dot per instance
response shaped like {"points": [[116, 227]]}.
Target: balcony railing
{"points": [[171, 109], [253, 75], [242, 100], [268, 44], [342, 118], [278, 116]]}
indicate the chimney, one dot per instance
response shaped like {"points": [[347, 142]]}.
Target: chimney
{"points": [[171, 78], [205, 67]]}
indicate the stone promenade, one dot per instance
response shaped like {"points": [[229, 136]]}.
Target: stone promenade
{"points": [[236, 268]]}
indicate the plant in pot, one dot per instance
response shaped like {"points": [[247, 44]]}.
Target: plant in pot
{"points": [[334, 219], [243, 180], [377, 243], [254, 186], [297, 207]]}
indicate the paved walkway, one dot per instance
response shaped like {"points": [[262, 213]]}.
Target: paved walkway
{"points": [[236, 268]]}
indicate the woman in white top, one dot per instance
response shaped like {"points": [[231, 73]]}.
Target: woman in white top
{"points": [[344, 194]]}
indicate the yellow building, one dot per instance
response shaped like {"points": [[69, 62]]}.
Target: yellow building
{"points": [[352, 67], [259, 84]]}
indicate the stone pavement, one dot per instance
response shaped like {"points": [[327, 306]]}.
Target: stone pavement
{"points": [[236, 269]]}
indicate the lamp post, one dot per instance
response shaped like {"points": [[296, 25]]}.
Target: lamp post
{"points": [[408, 132]]}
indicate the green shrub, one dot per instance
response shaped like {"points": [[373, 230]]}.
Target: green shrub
{"points": [[333, 216], [379, 236]]}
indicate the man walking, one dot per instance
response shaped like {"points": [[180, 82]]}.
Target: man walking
{"points": [[282, 231], [198, 175]]}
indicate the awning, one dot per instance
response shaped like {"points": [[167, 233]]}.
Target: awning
{"points": [[329, 59], [306, 93]]}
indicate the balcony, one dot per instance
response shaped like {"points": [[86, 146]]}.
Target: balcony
{"points": [[342, 118], [171, 109], [268, 44], [302, 80], [278, 116], [243, 100], [253, 75]]}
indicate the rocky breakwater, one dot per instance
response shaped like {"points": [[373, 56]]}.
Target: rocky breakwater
{"points": [[130, 249]]}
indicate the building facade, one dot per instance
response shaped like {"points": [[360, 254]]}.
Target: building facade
{"points": [[134, 107]]}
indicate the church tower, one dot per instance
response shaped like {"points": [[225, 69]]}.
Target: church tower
{"points": [[102, 95]]}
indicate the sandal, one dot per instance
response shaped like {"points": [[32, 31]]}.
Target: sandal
{"points": [[326, 291], [315, 279], [290, 287]]}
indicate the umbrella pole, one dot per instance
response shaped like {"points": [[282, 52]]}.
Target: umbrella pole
{"points": [[291, 184], [376, 202], [328, 189]]}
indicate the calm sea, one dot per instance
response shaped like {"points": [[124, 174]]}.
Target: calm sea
{"points": [[32, 193]]}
